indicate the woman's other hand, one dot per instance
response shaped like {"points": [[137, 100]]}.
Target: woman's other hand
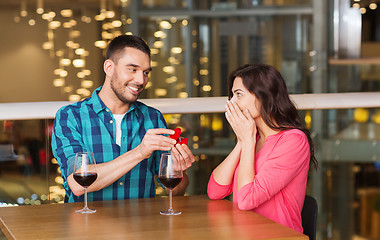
{"points": [[241, 122]]}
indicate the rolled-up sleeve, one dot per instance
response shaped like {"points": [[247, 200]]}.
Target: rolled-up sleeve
{"points": [[216, 191], [66, 141]]}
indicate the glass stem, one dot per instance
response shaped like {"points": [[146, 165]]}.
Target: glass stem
{"points": [[170, 196], [85, 197]]}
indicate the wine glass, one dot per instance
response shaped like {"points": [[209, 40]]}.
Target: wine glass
{"points": [[170, 175], [85, 174]]}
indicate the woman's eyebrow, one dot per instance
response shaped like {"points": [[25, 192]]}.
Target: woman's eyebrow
{"points": [[237, 90]]}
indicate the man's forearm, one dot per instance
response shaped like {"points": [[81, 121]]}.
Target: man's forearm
{"points": [[108, 172]]}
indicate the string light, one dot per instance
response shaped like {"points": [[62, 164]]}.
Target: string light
{"points": [[160, 34], [160, 92], [66, 13], [101, 44], [40, 7], [373, 6], [65, 62], [32, 22], [158, 44], [168, 69], [73, 54], [176, 50], [87, 83], [59, 82], [54, 24], [78, 63], [87, 72], [165, 25], [206, 88], [362, 6], [79, 51], [23, 11]]}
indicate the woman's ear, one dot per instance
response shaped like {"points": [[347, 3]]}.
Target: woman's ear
{"points": [[108, 67]]}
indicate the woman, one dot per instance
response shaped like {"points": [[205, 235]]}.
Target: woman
{"points": [[267, 170]]}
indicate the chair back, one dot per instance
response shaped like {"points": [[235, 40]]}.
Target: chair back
{"points": [[309, 217], [7, 152]]}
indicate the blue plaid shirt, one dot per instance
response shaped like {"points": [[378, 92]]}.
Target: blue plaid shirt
{"points": [[89, 126]]}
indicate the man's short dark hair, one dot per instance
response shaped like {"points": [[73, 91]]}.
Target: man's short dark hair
{"points": [[119, 43]]}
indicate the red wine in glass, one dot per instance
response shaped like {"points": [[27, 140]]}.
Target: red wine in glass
{"points": [[170, 175], [86, 179], [170, 182], [84, 173]]}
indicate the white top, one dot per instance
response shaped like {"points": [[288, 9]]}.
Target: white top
{"points": [[118, 118]]}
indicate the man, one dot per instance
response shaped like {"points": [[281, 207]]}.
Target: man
{"points": [[126, 136]]}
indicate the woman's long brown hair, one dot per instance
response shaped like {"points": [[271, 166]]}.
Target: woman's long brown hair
{"points": [[277, 110]]}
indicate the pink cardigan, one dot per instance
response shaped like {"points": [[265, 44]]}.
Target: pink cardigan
{"points": [[278, 189]]}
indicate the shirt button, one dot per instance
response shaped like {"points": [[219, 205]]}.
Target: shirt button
{"points": [[107, 110], [121, 183], [111, 121]]}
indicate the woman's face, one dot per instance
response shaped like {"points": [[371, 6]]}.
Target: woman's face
{"points": [[244, 99]]}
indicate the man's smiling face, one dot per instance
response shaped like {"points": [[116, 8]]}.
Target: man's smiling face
{"points": [[131, 74]]}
